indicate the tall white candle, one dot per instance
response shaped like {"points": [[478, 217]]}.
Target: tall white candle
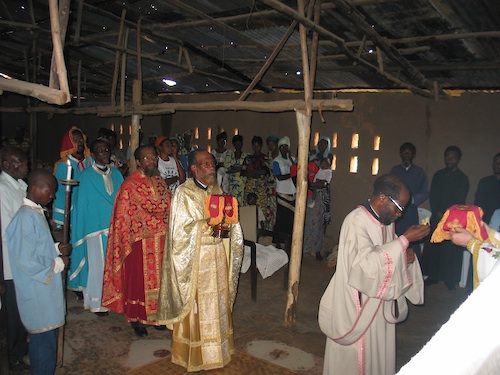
{"points": [[68, 174]]}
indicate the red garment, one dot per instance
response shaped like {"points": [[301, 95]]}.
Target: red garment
{"points": [[135, 247], [312, 169]]}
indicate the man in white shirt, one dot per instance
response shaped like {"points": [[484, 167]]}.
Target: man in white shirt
{"points": [[12, 191], [169, 165]]}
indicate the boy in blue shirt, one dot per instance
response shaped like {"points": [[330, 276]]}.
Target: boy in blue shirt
{"points": [[36, 263]]}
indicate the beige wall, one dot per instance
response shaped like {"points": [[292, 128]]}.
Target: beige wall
{"points": [[468, 121]]}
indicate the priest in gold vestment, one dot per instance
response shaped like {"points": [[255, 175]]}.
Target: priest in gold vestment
{"points": [[199, 275]]}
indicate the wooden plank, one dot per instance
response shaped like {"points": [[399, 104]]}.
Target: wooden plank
{"points": [[43, 93], [269, 61], [337, 105], [58, 49]]}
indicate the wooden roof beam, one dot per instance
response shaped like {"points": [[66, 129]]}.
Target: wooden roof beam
{"points": [[311, 25]]}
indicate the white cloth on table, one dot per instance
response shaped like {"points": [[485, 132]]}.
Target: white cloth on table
{"points": [[269, 259]]}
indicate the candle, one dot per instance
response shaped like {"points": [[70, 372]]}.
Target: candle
{"points": [[68, 175]]}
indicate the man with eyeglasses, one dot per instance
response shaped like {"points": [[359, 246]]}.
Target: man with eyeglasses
{"points": [[90, 225], [376, 272], [199, 279], [135, 245]]}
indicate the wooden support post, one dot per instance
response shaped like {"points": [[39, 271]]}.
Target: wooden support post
{"points": [[315, 44], [79, 17], [124, 73], [117, 59], [33, 139], [79, 83], [55, 26], [304, 133], [136, 122], [308, 92], [134, 140], [63, 18], [139, 51]]}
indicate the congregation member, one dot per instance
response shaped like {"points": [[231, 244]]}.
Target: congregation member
{"points": [[256, 171], [12, 192], [285, 188], [318, 187], [443, 261], [199, 276], [376, 272], [118, 158], [272, 153], [90, 226], [185, 146], [219, 153], [36, 266], [321, 151], [135, 245], [415, 179], [169, 164], [488, 191], [75, 151], [234, 164]]}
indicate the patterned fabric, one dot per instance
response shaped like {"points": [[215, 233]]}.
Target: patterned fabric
{"points": [[271, 196], [137, 230], [203, 340], [199, 282], [236, 180], [257, 185], [314, 234], [324, 199], [462, 216]]}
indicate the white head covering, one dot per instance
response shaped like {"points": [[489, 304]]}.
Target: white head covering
{"points": [[284, 141]]}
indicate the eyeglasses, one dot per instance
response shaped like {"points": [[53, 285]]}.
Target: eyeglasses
{"points": [[150, 158], [208, 164], [396, 203]]}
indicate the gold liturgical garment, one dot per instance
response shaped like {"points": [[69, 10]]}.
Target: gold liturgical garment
{"points": [[198, 284]]}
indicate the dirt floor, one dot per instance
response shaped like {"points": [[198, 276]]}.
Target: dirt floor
{"points": [[107, 345]]}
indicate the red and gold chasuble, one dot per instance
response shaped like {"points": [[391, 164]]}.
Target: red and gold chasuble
{"points": [[135, 247]]}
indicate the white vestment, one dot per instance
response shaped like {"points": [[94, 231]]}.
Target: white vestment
{"points": [[358, 310], [468, 343]]}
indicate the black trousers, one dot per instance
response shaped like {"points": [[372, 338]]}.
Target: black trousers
{"points": [[16, 333]]}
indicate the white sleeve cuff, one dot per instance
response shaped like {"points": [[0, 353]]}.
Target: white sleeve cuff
{"points": [[58, 265], [56, 244]]}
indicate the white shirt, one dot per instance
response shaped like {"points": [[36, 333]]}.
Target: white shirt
{"points": [[12, 192], [323, 174], [169, 169]]}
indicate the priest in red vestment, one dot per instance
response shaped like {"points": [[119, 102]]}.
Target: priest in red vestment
{"points": [[136, 241]]}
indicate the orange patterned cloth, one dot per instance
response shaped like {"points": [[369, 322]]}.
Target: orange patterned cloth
{"points": [[221, 209], [461, 216], [137, 230]]}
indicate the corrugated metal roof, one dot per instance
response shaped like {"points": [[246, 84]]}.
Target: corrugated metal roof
{"points": [[220, 45]]}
